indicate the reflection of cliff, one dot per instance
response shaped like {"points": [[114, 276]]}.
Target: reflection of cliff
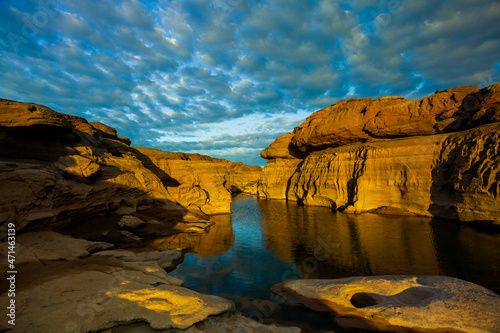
{"points": [[217, 241], [365, 244]]}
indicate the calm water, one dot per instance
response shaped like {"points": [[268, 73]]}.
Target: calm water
{"points": [[265, 242]]}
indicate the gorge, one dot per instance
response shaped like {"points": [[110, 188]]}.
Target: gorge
{"points": [[103, 224]]}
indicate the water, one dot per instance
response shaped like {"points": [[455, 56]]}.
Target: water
{"points": [[265, 242]]}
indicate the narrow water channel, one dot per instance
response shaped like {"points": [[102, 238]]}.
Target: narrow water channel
{"points": [[265, 242]]}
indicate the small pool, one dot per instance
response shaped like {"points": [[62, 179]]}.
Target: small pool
{"points": [[265, 242]]}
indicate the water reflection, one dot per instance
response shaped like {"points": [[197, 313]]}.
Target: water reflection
{"points": [[326, 245], [274, 241], [217, 241]]}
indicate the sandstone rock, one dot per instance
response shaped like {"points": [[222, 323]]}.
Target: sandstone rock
{"points": [[37, 117], [243, 178], [164, 258], [274, 180], [487, 103], [280, 148], [216, 241], [228, 322], [234, 323], [399, 303], [78, 167], [50, 245], [198, 182], [361, 120], [452, 176], [107, 131], [95, 294], [81, 124], [126, 141], [129, 221]]}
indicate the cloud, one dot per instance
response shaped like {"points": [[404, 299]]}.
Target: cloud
{"points": [[226, 77]]}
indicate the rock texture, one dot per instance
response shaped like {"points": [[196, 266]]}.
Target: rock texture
{"points": [[57, 169], [399, 303], [438, 156], [99, 293]]}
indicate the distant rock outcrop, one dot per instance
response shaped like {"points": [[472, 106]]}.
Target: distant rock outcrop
{"points": [[58, 169], [438, 156]]}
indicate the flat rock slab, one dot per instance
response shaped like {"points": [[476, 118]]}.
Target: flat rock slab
{"points": [[95, 294], [50, 245], [399, 303], [166, 259], [228, 322]]}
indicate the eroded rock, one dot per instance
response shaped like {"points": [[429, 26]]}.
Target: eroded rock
{"points": [[94, 294], [78, 167], [399, 303]]}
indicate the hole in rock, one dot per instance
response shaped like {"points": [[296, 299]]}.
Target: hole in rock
{"points": [[415, 295], [362, 300]]}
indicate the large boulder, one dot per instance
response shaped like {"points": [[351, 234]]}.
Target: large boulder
{"points": [[399, 303], [364, 120], [280, 148]]}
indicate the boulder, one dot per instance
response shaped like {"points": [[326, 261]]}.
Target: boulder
{"points": [[366, 120], [132, 222], [280, 148], [399, 303]]}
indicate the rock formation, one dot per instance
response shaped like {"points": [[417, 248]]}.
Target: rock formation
{"points": [[399, 303], [57, 169], [438, 156]]}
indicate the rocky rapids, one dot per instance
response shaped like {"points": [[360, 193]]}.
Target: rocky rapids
{"points": [[438, 157]]}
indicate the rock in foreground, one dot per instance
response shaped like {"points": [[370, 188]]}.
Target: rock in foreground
{"points": [[399, 303]]}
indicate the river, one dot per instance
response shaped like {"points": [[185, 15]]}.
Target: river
{"points": [[265, 242]]}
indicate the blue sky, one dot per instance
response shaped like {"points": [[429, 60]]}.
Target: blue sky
{"points": [[226, 77]]}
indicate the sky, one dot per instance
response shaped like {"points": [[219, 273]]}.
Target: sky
{"points": [[226, 77]]}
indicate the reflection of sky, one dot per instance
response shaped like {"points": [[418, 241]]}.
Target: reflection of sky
{"points": [[275, 241], [248, 268]]}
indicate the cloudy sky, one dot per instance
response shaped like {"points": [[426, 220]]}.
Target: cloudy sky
{"points": [[226, 77]]}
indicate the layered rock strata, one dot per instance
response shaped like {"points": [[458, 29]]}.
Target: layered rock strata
{"points": [[57, 169], [438, 156]]}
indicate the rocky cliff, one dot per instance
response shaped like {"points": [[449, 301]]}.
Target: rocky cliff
{"points": [[437, 156], [57, 169]]}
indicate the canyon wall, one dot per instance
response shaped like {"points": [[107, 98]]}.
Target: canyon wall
{"points": [[57, 169], [437, 156]]}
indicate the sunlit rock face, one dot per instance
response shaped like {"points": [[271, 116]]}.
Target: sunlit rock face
{"points": [[274, 180], [57, 169], [399, 303], [386, 155]]}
